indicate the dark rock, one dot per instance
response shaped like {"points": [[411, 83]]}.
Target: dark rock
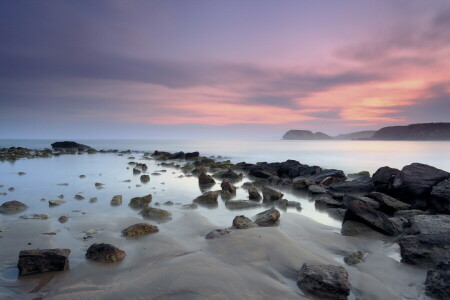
{"points": [[156, 214], [217, 233], [353, 228], [227, 186], [253, 194], [116, 200], [337, 213], [409, 213], [69, 145], [225, 195], [189, 206], [361, 211], [247, 185], [136, 171], [241, 204], [415, 182], [42, 260], [99, 184], [335, 175], [271, 194], [362, 185], [140, 202], [93, 200], [348, 198], [191, 155], [383, 179], [302, 183], [437, 283], [242, 222], [315, 189], [261, 172], [305, 135], [105, 253], [145, 178], [139, 229], [324, 281], [78, 197], [430, 224], [168, 203], [208, 198], [354, 258], [440, 197], [177, 155], [205, 179], [358, 175], [388, 204], [425, 250], [229, 174], [11, 207], [55, 202], [326, 201], [267, 218], [63, 219]]}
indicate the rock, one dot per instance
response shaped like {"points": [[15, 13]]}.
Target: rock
{"points": [[361, 211], [247, 185], [401, 224], [136, 171], [253, 194], [329, 176], [156, 214], [189, 206], [326, 201], [106, 253], [242, 222], [217, 233], [315, 189], [78, 197], [440, 194], [363, 185], [208, 198], [21, 173], [139, 229], [69, 145], [99, 184], [191, 155], [204, 179], [177, 155], [437, 283], [168, 203], [227, 186], [267, 218], [241, 204], [35, 217], [42, 260], [261, 172], [61, 196], [225, 195], [383, 179], [303, 183], [354, 258], [93, 200], [416, 181], [11, 189], [55, 202], [409, 213], [140, 202], [63, 219], [324, 281], [425, 250], [271, 194], [116, 200], [145, 178], [358, 175], [430, 224], [353, 228], [82, 176], [11, 207], [369, 201], [229, 174], [388, 204], [337, 213]]}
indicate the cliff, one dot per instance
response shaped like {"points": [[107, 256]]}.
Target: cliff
{"points": [[414, 132]]}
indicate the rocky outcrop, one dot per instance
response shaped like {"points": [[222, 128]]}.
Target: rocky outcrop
{"points": [[145, 178], [287, 169], [140, 202], [242, 222], [105, 253], [191, 155], [437, 283], [353, 228], [414, 132], [305, 135], [267, 218], [139, 230], [42, 260], [12, 207], [69, 145], [324, 281]]}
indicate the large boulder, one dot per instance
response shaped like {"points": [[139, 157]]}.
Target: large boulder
{"points": [[139, 230], [383, 179], [415, 182], [242, 222], [361, 211], [425, 250], [363, 185], [267, 218], [140, 202], [12, 207], [324, 281], [205, 179], [437, 283], [157, 214], [389, 204], [271, 194], [106, 253], [42, 260], [208, 198], [241, 204], [440, 197], [430, 224]]}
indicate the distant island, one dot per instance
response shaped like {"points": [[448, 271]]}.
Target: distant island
{"points": [[412, 132]]}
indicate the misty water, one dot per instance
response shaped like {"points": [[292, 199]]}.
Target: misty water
{"points": [[48, 178]]}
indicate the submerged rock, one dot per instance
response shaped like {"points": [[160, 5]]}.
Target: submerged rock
{"points": [[78, 197], [271, 194], [140, 202], [316, 189], [253, 194], [93, 200], [69, 145], [36, 217], [106, 253], [139, 229], [116, 200], [217, 233], [324, 281], [145, 178], [242, 222], [42, 260], [437, 283], [267, 218], [11, 207], [354, 258], [55, 202], [156, 214], [241, 204], [227, 186], [189, 206], [63, 219]]}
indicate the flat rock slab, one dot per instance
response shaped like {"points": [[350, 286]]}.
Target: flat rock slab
{"points": [[44, 260], [106, 253], [324, 281]]}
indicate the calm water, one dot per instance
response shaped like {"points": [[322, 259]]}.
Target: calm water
{"points": [[350, 156]]}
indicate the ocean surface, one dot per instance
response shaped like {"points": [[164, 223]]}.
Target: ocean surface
{"points": [[349, 156]]}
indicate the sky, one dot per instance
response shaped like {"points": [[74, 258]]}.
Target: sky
{"points": [[220, 69]]}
